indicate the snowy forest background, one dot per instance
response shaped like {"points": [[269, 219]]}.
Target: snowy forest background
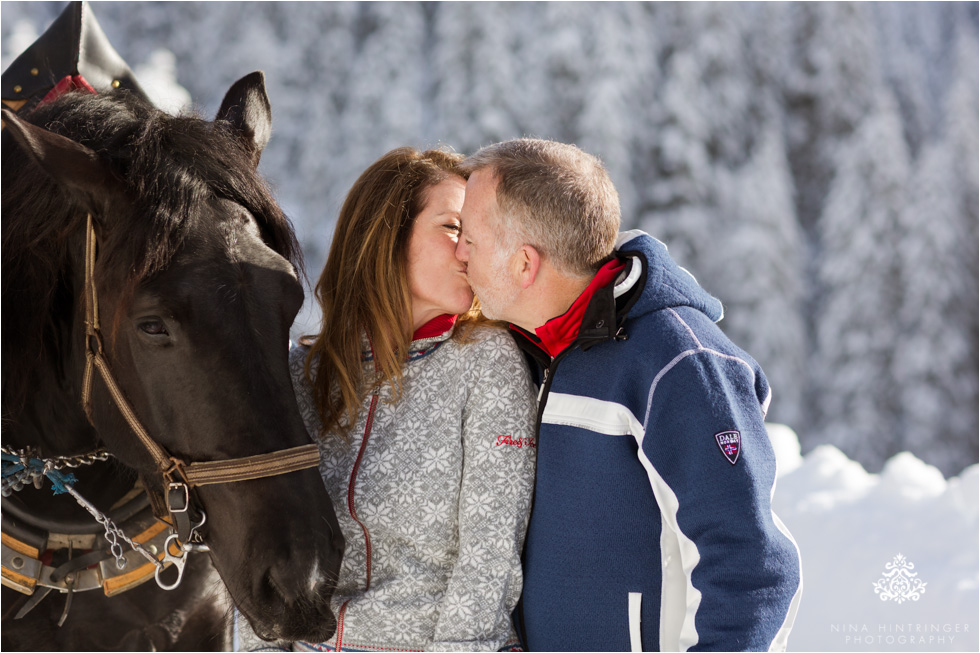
{"points": [[814, 165]]}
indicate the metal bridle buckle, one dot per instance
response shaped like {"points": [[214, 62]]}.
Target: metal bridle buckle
{"points": [[178, 497]]}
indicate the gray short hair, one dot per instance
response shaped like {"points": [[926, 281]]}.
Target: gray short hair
{"points": [[556, 197]]}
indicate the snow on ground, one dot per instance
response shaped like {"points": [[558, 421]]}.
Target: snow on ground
{"points": [[890, 560]]}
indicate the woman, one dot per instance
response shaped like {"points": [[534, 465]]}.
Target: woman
{"points": [[425, 417]]}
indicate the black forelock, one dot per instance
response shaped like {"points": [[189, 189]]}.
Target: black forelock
{"points": [[168, 165]]}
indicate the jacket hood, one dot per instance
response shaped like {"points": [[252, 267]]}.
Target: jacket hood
{"points": [[668, 284]]}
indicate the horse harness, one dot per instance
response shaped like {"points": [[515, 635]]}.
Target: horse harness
{"points": [[164, 540]]}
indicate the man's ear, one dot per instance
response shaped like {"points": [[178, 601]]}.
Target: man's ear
{"points": [[527, 260]]}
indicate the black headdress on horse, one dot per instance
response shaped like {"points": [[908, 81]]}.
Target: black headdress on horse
{"points": [[72, 53]]}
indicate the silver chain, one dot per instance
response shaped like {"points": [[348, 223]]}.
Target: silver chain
{"points": [[58, 463], [62, 462], [31, 475], [113, 533]]}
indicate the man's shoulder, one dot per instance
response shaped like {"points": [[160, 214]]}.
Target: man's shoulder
{"points": [[672, 329], [680, 338], [652, 341]]}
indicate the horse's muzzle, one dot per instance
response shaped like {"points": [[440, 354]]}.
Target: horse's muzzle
{"points": [[294, 607], [281, 558]]}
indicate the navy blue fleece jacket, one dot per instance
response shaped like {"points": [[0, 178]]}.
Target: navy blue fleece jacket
{"points": [[652, 524]]}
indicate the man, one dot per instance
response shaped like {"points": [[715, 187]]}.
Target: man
{"points": [[652, 526]]}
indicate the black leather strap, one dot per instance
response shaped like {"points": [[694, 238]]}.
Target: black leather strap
{"points": [[83, 525]]}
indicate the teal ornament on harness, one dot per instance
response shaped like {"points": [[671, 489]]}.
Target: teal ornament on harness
{"points": [[21, 468]]}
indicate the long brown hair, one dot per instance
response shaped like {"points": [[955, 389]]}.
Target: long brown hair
{"points": [[364, 285]]}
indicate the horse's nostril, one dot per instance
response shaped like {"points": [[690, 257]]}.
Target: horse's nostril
{"points": [[300, 598], [289, 585], [301, 583]]}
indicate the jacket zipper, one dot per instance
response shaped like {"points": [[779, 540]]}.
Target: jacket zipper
{"points": [[338, 641], [543, 392], [353, 481], [339, 637], [546, 381]]}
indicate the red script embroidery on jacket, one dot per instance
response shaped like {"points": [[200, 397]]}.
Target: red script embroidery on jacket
{"points": [[520, 443]]}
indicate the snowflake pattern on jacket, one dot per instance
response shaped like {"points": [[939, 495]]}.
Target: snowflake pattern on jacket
{"points": [[433, 502]]}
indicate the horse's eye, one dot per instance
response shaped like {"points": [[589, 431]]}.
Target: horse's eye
{"points": [[153, 328]]}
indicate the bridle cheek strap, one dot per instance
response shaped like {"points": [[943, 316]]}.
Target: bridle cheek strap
{"points": [[173, 470]]}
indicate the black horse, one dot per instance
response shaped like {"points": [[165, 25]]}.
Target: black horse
{"points": [[197, 287]]}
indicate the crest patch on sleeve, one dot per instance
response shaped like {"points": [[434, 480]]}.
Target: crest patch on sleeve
{"points": [[730, 443]]}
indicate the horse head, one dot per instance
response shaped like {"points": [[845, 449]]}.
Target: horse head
{"points": [[197, 284]]}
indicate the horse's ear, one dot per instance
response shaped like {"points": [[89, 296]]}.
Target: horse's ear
{"points": [[69, 163], [246, 106]]}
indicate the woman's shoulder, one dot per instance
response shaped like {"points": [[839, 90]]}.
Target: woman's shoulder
{"points": [[495, 370], [297, 358], [489, 345], [297, 350], [488, 337]]}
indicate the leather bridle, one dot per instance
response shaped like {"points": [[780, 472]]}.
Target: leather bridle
{"points": [[26, 570], [178, 476]]}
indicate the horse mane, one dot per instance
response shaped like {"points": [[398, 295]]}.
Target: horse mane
{"points": [[167, 164]]}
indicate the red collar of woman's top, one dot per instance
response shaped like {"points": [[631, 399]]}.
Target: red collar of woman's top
{"points": [[435, 327]]}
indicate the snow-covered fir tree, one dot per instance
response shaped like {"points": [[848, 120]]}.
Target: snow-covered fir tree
{"points": [[859, 276], [476, 69]]}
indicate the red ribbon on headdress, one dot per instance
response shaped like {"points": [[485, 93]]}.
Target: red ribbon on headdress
{"points": [[68, 83]]}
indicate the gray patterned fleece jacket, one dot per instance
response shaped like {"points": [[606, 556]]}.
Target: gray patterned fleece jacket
{"points": [[432, 494]]}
